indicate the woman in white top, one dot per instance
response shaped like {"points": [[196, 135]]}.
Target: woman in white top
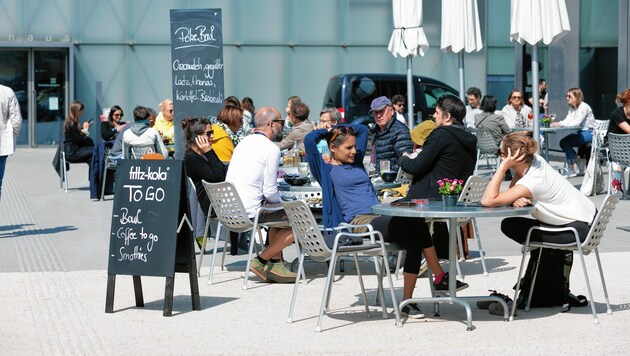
{"points": [[557, 202], [580, 115], [516, 113]]}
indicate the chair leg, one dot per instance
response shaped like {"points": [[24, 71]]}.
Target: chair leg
{"points": [[214, 253], [391, 290], [327, 285], [518, 284], [588, 286], [380, 294], [398, 263], [252, 241], [295, 285], [64, 171], [365, 301], [601, 275], [332, 281], [297, 247], [479, 247], [203, 244], [531, 288]]}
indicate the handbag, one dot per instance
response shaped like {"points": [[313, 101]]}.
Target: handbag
{"points": [[587, 181]]}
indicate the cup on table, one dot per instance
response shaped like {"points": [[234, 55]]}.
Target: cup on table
{"points": [[303, 169]]}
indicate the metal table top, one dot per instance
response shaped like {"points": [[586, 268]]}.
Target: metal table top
{"points": [[435, 209]]}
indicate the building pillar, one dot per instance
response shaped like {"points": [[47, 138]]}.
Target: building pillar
{"points": [[623, 54]]}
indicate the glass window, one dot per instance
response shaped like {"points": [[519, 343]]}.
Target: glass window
{"points": [[433, 92]]}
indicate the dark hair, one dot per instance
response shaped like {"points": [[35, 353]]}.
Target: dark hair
{"points": [[248, 104], [396, 98], [300, 110], [140, 113], [231, 116], [73, 114], [454, 106], [488, 103], [520, 140], [232, 101], [515, 90], [294, 98], [110, 116], [338, 134], [474, 91], [193, 127]]}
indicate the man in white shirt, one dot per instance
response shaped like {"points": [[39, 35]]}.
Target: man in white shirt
{"points": [[253, 171]]}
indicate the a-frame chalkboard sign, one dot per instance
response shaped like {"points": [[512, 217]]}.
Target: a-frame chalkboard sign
{"points": [[149, 236]]}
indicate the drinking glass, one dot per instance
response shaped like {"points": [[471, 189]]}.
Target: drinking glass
{"points": [[303, 169], [384, 166]]}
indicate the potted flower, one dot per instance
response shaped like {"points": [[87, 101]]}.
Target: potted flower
{"points": [[450, 189], [545, 120]]}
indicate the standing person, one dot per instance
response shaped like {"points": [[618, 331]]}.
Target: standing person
{"points": [[298, 115], [473, 96], [398, 102], [164, 121], [515, 112], [490, 121], [579, 115], [112, 126], [619, 124], [543, 97], [77, 146], [348, 196], [392, 138], [253, 171], [10, 124]]}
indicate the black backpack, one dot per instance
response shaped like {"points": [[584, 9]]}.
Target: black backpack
{"points": [[552, 280]]}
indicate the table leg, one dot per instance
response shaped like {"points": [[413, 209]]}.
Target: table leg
{"points": [[546, 136], [452, 274]]}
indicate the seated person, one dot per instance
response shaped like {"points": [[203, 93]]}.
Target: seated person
{"points": [[490, 121], [112, 126], [77, 146], [164, 121], [140, 134], [619, 124], [515, 112], [327, 118], [298, 115], [226, 128], [348, 196]]}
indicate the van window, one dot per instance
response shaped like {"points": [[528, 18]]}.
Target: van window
{"points": [[332, 97], [363, 91], [433, 92]]}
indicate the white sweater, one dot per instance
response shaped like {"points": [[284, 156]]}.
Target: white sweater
{"points": [[10, 120], [582, 117]]}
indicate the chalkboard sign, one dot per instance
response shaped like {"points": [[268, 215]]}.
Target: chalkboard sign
{"points": [[196, 66], [147, 236]]}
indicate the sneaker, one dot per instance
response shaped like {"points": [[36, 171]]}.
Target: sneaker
{"points": [[496, 308], [259, 269], [616, 187], [279, 272], [413, 311], [581, 164], [571, 173], [485, 304], [443, 285]]}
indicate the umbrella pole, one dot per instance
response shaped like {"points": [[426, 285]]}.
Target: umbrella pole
{"points": [[535, 97], [410, 99], [460, 62]]}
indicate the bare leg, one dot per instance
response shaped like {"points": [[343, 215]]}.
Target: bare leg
{"points": [[278, 240], [432, 261], [409, 284]]}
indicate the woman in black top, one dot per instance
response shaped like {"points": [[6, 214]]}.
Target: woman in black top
{"points": [[619, 124], [77, 145], [200, 159], [112, 126]]}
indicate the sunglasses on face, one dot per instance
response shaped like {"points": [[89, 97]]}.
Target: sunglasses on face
{"points": [[517, 97], [209, 134], [281, 122], [117, 115]]}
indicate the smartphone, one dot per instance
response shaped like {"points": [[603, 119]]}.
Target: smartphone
{"points": [[403, 202], [90, 121]]}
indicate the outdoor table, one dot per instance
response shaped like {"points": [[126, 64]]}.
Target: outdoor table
{"points": [[311, 193], [436, 209], [546, 131]]}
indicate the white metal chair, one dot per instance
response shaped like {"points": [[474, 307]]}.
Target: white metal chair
{"points": [[472, 193], [227, 204], [487, 146], [136, 152], [311, 242], [590, 244], [597, 147], [110, 164], [619, 148], [63, 164]]}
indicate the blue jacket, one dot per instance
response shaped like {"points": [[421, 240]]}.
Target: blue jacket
{"points": [[321, 171]]}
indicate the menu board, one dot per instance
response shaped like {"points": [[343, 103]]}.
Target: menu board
{"points": [[196, 66], [145, 217]]}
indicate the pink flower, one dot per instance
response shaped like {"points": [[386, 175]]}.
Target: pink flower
{"points": [[440, 183]]}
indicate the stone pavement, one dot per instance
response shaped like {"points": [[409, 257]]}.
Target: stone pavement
{"points": [[53, 272]]}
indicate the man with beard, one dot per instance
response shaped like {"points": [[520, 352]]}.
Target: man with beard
{"points": [[253, 171]]}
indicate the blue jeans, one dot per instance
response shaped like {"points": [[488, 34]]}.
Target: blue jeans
{"points": [[576, 139], [3, 163]]}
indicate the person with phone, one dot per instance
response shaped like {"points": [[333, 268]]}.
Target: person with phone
{"points": [[113, 125], [78, 146], [348, 196]]}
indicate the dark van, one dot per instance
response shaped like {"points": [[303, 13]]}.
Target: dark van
{"points": [[352, 94]]}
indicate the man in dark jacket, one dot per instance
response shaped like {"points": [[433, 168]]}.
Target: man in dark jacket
{"points": [[392, 136], [448, 152]]}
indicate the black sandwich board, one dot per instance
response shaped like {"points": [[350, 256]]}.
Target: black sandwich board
{"points": [[148, 234]]}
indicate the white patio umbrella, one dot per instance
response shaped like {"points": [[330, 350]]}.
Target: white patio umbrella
{"points": [[408, 40], [460, 32], [533, 21]]}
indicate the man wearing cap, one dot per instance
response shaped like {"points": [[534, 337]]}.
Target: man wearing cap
{"points": [[392, 138]]}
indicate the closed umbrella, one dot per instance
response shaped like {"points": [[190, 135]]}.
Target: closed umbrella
{"points": [[534, 21], [460, 32], [408, 40]]}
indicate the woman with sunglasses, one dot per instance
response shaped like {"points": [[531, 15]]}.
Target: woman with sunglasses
{"points": [[557, 202], [348, 196], [202, 163], [112, 126], [515, 112]]}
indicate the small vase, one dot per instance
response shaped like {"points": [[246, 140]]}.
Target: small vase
{"points": [[450, 200]]}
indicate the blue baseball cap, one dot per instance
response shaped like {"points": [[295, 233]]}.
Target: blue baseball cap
{"points": [[380, 103]]}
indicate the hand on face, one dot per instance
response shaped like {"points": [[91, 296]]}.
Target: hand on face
{"points": [[509, 159], [203, 143]]}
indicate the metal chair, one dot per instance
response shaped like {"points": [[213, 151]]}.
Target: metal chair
{"points": [[227, 204], [619, 153], [136, 152], [64, 171], [487, 146], [472, 192], [591, 243], [597, 147], [311, 242], [110, 164]]}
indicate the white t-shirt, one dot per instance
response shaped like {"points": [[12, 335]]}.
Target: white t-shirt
{"points": [[470, 116], [557, 202], [582, 117], [253, 170], [509, 114]]}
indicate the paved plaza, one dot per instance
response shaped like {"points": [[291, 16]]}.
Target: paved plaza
{"points": [[53, 274]]}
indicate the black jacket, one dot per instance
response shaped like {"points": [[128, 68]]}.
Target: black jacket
{"points": [[449, 152], [208, 168], [390, 143]]}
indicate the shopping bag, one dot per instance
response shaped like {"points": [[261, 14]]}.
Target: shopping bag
{"points": [[587, 181]]}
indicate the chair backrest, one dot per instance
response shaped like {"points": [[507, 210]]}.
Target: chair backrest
{"points": [[138, 151], [228, 206], [599, 134], [402, 177], [619, 146], [473, 189], [305, 230], [596, 233], [485, 142]]}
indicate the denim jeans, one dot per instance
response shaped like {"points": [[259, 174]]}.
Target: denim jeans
{"points": [[3, 163], [576, 139]]}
